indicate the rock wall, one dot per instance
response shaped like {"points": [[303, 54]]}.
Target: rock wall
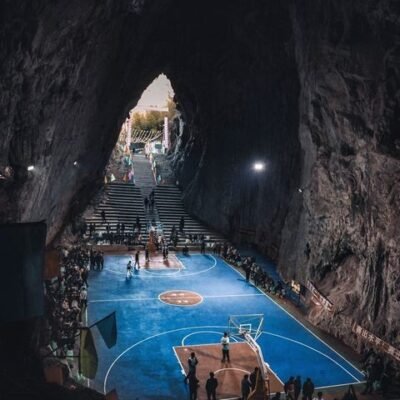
{"points": [[310, 88], [348, 62], [66, 85]]}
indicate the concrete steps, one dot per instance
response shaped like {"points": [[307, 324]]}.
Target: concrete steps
{"points": [[145, 181], [123, 204], [170, 209], [144, 177]]}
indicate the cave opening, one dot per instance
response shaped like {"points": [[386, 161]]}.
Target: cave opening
{"points": [[147, 128]]}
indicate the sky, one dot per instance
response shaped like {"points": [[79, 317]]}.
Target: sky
{"points": [[156, 94]]}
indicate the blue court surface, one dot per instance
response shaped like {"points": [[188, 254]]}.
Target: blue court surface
{"points": [[143, 364]]}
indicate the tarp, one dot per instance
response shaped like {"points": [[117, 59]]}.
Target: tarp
{"points": [[108, 329]]}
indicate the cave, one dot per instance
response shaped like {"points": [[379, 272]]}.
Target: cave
{"points": [[309, 88]]}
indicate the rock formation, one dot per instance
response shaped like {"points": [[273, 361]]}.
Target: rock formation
{"points": [[310, 88]]}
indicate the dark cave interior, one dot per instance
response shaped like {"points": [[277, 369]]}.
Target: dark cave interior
{"points": [[311, 87]]}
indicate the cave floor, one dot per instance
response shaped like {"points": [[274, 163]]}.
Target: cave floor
{"points": [[144, 363]]}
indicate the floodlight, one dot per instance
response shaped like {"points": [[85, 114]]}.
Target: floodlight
{"points": [[30, 168], [258, 166], [75, 163]]}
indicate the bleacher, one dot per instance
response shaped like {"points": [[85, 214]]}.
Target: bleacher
{"points": [[123, 203], [170, 210]]}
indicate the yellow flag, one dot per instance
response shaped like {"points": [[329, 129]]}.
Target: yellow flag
{"points": [[88, 355]]}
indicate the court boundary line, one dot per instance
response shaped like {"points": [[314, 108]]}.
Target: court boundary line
{"points": [[299, 322], [179, 361], [173, 275], [275, 374], [313, 349], [174, 272], [85, 321], [202, 327], [155, 298], [182, 266], [232, 368], [268, 365], [219, 344], [122, 299], [205, 344], [344, 384], [147, 339]]}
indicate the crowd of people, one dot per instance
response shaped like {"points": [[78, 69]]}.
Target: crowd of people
{"points": [[378, 373], [66, 299], [96, 260], [121, 233], [127, 239], [293, 387], [250, 267]]}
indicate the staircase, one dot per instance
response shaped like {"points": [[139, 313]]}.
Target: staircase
{"points": [[170, 209], [123, 203], [144, 180], [144, 177]]}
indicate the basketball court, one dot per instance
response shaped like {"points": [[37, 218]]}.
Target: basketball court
{"points": [[166, 312]]}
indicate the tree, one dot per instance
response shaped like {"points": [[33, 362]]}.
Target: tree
{"points": [[152, 119]]}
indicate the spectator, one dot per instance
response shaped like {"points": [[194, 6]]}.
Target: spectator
{"points": [[193, 386], [253, 378], [297, 387], [308, 389], [211, 387], [66, 298], [245, 387]]}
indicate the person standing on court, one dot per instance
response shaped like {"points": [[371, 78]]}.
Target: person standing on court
{"points": [[192, 363], [225, 347], [211, 387], [308, 389], [129, 269], [246, 387], [137, 260], [253, 378], [247, 271], [297, 387], [193, 386]]}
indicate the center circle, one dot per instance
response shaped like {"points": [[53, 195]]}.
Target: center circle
{"points": [[180, 298]]}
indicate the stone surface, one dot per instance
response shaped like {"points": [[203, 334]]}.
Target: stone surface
{"points": [[348, 63], [311, 88]]}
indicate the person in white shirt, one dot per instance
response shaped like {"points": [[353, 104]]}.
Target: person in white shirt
{"points": [[225, 347]]}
